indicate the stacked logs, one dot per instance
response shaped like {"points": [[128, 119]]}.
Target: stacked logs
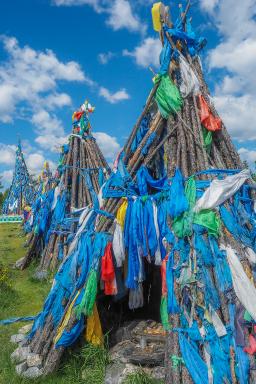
{"points": [[84, 158]]}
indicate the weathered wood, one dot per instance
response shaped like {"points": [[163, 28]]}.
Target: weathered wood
{"points": [[30, 253], [69, 156], [74, 172], [127, 147], [151, 155], [191, 155]]}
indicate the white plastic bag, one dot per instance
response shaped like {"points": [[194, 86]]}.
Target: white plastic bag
{"points": [[189, 80], [244, 288], [217, 323], [221, 190], [251, 255], [55, 197], [84, 218], [118, 245], [100, 196]]}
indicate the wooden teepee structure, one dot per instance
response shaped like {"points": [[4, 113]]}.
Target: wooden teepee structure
{"points": [[21, 191], [197, 223], [81, 171]]}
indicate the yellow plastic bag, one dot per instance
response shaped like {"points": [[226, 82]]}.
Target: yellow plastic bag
{"points": [[120, 216], [65, 321], [94, 333], [156, 16]]}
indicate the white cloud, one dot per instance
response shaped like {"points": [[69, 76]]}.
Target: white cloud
{"points": [[104, 58], [248, 155], [47, 123], [35, 162], [29, 79], [51, 142], [108, 144], [29, 90], [120, 14], [238, 114], [235, 95], [57, 100], [68, 3], [114, 98], [7, 154], [7, 105], [147, 53], [6, 178], [239, 61], [208, 5]]}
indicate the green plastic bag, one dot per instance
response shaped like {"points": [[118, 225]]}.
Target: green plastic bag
{"points": [[87, 303], [168, 97], [164, 314], [182, 225], [207, 135], [209, 219]]}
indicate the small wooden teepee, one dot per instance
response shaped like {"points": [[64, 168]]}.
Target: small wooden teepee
{"points": [[81, 171]]}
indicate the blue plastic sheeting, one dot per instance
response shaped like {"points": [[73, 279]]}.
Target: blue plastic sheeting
{"points": [[145, 180], [16, 320], [178, 201], [143, 129], [193, 361]]}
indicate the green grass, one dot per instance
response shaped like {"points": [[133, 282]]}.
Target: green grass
{"points": [[141, 377]]}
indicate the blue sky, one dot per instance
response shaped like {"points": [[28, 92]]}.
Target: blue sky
{"points": [[56, 53]]}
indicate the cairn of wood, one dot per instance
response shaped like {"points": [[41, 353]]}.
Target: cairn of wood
{"points": [[79, 171], [182, 137]]}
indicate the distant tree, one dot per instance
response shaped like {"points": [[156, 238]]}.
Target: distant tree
{"points": [[254, 173], [3, 194], [245, 164]]}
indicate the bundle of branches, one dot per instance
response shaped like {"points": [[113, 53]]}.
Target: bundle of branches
{"points": [[81, 172], [21, 192], [179, 116]]}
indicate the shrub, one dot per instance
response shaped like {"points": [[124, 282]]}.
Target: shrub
{"points": [[5, 281]]}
